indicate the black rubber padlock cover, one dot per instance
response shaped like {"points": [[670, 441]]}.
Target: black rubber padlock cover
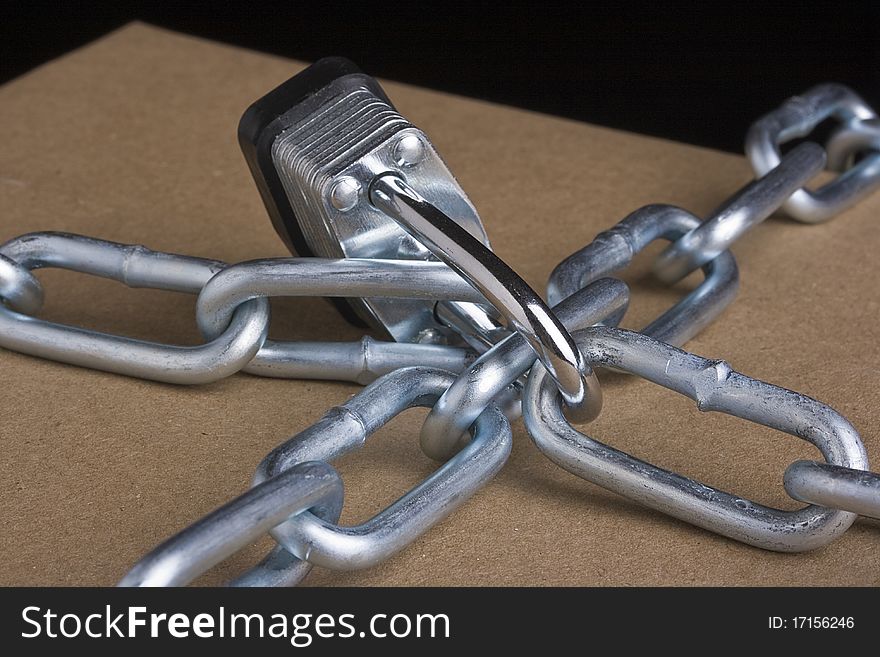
{"points": [[273, 114]]}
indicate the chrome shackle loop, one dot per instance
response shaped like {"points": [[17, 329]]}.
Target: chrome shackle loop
{"points": [[521, 306], [489, 376]]}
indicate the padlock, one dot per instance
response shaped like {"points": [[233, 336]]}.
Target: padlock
{"points": [[343, 174], [314, 145]]}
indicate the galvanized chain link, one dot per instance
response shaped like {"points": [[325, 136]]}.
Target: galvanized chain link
{"points": [[314, 487], [834, 486], [313, 537], [798, 117], [715, 387], [296, 495], [843, 486], [235, 323], [749, 207], [781, 185]]}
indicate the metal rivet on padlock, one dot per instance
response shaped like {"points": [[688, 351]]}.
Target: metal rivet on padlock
{"points": [[344, 193], [408, 151]]}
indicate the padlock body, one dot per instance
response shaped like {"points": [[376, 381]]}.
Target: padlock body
{"points": [[314, 145]]}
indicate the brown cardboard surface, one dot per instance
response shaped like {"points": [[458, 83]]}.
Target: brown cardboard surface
{"points": [[133, 139]]}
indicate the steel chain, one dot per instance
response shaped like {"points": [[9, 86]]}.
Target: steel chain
{"points": [[313, 538], [296, 496], [715, 387], [236, 323]]}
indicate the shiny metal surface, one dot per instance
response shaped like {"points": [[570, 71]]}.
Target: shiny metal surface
{"points": [[232, 310], [222, 533], [798, 117], [346, 428], [136, 266], [131, 264], [343, 139], [239, 283], [279, 568], [19, 288], [834, 486], [479, 325], [445, 428], [715, 387], [294, 478], [851, 140], [746, 209], [361, 362], [614, 249], [524, 310]]}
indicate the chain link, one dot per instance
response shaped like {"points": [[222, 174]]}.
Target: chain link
{"points": [[232, 311], [834, 486], [314, 538], [715, 387], [749, 207], [798, 117], [613, 250], [19, 288], [851, 140], [314, 487], [500, 367], [840, 487], [135, 266], [447, 488], [296, 496]]}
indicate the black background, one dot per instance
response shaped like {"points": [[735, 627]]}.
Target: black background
{"points": [[697, 72]]}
